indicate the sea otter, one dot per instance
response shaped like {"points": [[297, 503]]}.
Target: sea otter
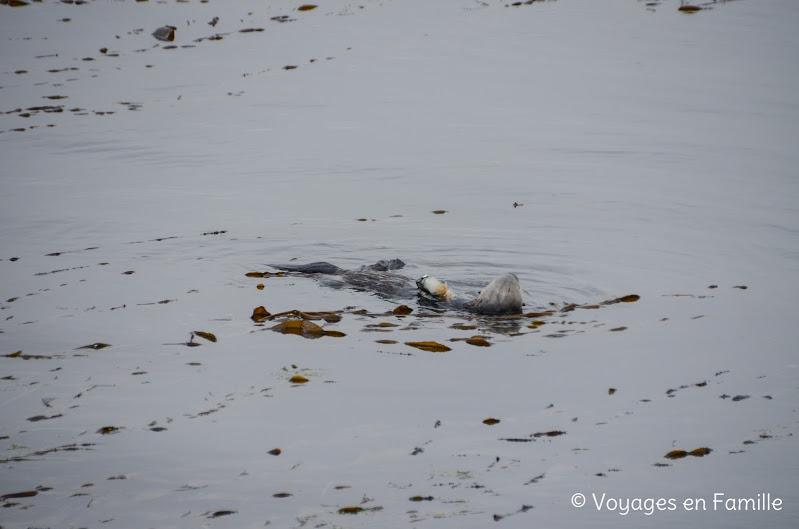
{"points": [[501, 296]]}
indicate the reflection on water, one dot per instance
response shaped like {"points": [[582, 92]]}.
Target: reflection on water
{"points": [[141, 183]]}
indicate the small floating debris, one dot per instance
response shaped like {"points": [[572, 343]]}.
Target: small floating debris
{"points": [[165, 33], [439, 211], [275, 452], [491, 421], [687, 8]]}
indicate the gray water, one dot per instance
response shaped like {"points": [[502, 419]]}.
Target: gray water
{"points": [[648, 151]]}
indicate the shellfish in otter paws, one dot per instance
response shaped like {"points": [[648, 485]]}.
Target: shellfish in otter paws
{"points": [[433, 288]]}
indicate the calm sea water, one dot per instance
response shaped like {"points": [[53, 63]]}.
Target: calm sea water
{"points": [[594, 149]]}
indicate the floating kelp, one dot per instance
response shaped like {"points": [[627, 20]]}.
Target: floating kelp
{"points": [[491, 421], [551, 433], [219, 514], [18, 495], [107, 430], [207, 335], [330, 317], [304, 328], [37, 418], [611, 391], [433, 347], [402, 310], [282, 495], [65, 448], [439, 211], [386, 326], [679, 454], [306, 7], [386, 342], [275, 452], [538, 314], [689, 8], [421, 498], [23, 356], [631, 298], [478, 341], [259, 314], [298, 379]]}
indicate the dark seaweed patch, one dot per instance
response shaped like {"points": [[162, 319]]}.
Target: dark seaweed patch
{"points": [[37, 418]]}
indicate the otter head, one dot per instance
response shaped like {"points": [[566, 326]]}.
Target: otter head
{"points": [[502, 296]]}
